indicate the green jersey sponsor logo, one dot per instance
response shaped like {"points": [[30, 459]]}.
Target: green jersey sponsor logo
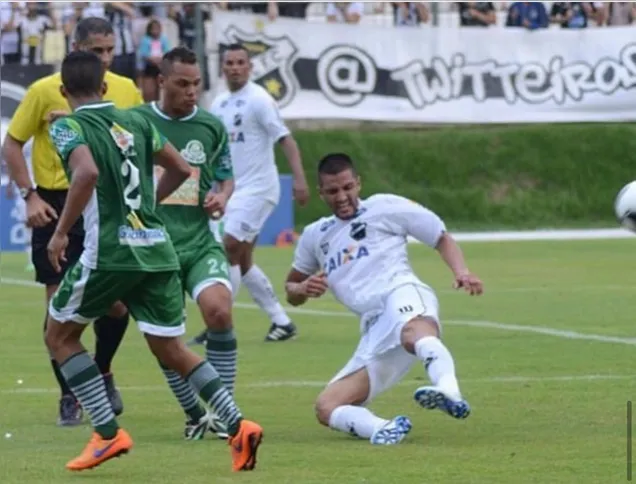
{"points": [[194, 153]]}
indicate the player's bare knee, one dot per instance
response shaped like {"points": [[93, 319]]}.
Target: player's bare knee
{"points": [[323, 407], [416, 329], [166, 350], [118, 310], [58, 335], [216, 307], [233, 249]]}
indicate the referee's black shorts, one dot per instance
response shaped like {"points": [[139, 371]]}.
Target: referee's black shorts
{"points": [[44, 272]]}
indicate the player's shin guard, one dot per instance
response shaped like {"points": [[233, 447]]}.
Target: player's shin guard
{"points": [[205, 380], [87, 383], [439, 364], [357, 421], [109, 333], [221, 353]]}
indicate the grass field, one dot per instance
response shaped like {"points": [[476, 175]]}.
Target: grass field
{"points": [[549, 404]]}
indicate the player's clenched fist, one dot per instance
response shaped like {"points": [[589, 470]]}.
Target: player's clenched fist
{"points": [[314, 286]]}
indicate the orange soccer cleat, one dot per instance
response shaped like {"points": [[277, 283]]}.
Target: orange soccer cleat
{"points": [[244, 446], [99, 450]]}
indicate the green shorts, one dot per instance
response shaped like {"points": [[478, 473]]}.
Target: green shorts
{"points": [[204, 268], [154, 299]]}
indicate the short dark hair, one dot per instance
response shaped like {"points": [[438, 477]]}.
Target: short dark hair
{"points": [[335, 163], [150, 24], [236, 47], [178, 54], [91, 26], [82, 74]]}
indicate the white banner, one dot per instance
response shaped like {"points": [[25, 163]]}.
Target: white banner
{"points": [[439, 75]]}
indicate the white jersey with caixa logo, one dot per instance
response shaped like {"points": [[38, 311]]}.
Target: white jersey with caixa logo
{"points": [[365, 258], [254, 124]]}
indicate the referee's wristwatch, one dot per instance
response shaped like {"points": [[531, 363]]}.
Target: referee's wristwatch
{"points": [[25, 193]]}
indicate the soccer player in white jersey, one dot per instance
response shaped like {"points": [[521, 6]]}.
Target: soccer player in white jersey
{"points": [[254, 124], [360, 254]]}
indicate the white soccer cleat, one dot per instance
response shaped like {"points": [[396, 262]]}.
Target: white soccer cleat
{"points": [[433, 397], [217, 427], [393, 432]]}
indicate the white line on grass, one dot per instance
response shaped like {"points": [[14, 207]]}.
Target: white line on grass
{"points": [[320, 384], [557, 333]]}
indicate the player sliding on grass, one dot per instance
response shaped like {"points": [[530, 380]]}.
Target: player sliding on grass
{"points": [[360, 253], [202, 141], [128, 257]]}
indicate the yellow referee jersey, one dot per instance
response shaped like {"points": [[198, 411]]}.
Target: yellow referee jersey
{"points": [[29, 121]]}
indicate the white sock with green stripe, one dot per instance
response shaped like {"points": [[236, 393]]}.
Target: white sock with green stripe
{"points": [[207, 383], [221, 352], [184, 394], [86, 382]]}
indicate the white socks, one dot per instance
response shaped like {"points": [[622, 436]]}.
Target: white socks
{"points": [[263, 294], [235, 280], [358, 421], [439, 364]]}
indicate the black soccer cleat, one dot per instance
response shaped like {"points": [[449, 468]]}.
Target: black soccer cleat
{"points": [[70, 412], [199, 339], [281, 333]]}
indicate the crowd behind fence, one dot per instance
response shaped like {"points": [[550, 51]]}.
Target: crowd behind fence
{"points": [[40, 32]]}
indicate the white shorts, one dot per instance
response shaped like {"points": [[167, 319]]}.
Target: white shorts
{"points": [[245, 216], [380, 350]]}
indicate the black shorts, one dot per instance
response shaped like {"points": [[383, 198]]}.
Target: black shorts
{"points": [[44, 272]]}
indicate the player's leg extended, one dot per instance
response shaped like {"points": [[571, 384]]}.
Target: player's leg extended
{"points": [[82, 296], [340, 407], [109, 332], [208, 284], [159, 299], [198, 419], [70, 413], [420, 336], [259, 286]]}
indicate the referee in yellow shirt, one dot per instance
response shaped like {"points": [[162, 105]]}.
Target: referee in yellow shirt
{"points": [[42, 103]]}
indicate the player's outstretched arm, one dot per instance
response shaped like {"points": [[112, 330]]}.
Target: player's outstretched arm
{"points": [[452, 254], [176, 171], [299, 287]]}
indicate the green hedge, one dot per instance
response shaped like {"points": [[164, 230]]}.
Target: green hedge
{"points": [[488, 177]]}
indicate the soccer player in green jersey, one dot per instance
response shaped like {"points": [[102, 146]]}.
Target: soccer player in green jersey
{"points": [[202, 141], [128, 256]]}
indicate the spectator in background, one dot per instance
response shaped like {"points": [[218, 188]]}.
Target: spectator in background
{"points": [[186, 21], [477, 14], [31, 28], [10, 37], [121, 15], [531, 15], [287, 10], [72, 15], [621, 13], [409, 13], [596, 11], [571, 15], [345, 12], [152, 9], [152, 47]]}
